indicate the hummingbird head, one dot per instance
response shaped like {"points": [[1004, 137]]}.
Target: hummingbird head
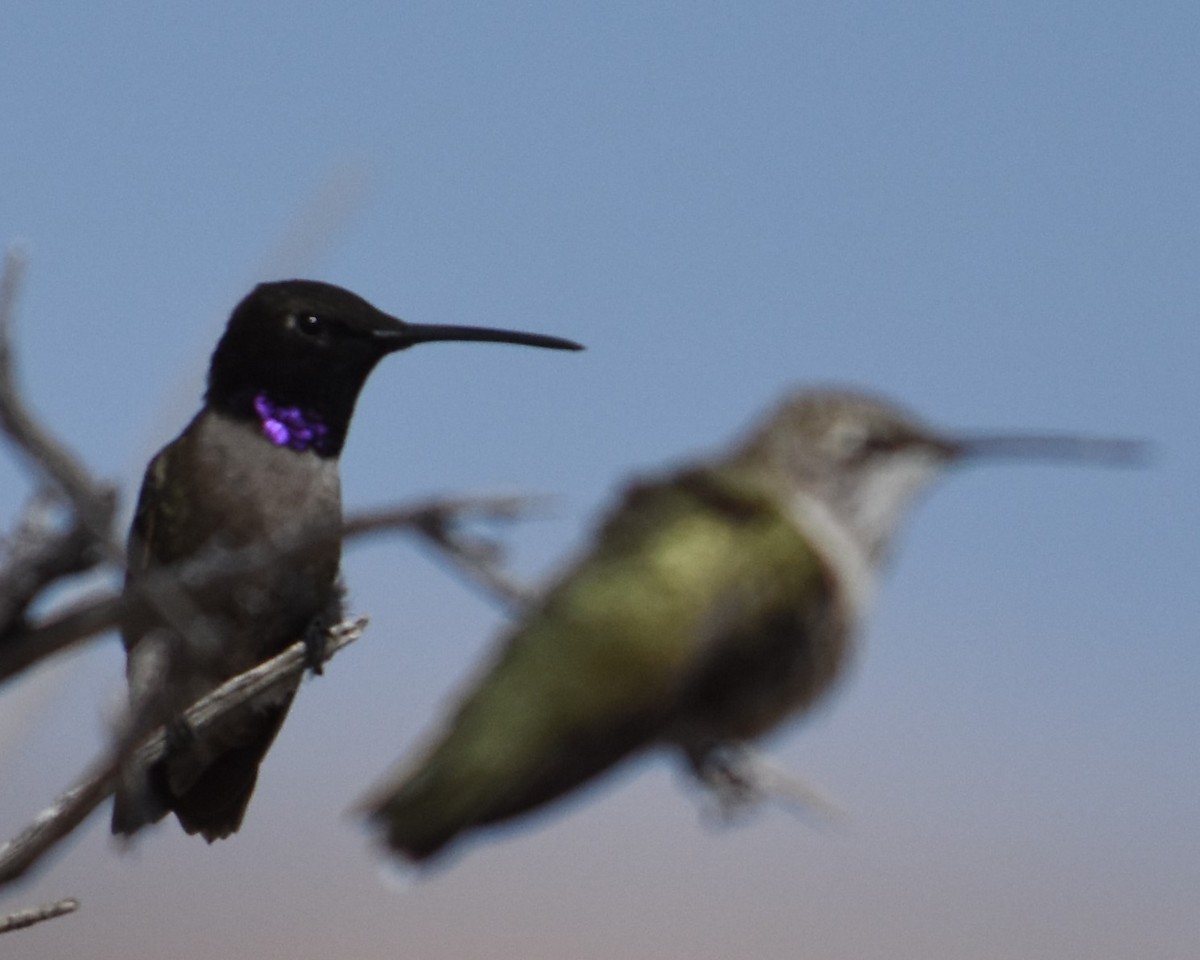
{"points": [[861, 458], [306, 348], [867, 460]]}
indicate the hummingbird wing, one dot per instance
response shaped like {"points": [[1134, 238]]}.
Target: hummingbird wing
{"points": [[615, 657], [166, 528], [209, 785], [157, 536]]}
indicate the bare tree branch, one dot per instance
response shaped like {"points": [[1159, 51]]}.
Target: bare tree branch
{"points": [[477, 558], [64, 628], [480, 560], [72, 806], [47, 911], [39, 552], [44, 549], [428, 518], [92, 501]]}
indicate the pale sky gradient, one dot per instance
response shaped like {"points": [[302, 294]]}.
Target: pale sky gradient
{"points": [[988, 211]]}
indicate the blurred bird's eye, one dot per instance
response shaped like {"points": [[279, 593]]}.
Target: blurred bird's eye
{"points": [[848, 440], [853, 442]]}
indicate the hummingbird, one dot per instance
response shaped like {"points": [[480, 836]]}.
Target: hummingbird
{"points": [[715, 602], [255, 468]]}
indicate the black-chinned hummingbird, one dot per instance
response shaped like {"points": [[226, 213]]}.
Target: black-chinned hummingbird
{"points": [[257, 466], [714, 603]]}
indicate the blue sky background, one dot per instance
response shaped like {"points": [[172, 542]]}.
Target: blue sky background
{"points": [[989, 211]]}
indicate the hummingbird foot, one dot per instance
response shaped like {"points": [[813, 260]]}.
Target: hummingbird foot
{"points": [[180, 737], [740, 779], [722, 770], [316, 646]]}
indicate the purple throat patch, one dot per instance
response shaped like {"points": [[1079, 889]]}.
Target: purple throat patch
{"points": [[290, 427]]}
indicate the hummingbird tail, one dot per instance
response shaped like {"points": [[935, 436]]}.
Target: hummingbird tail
{"points": [[422, 813], [209, 797], [465, 783], [136, 804], [214, 804]]}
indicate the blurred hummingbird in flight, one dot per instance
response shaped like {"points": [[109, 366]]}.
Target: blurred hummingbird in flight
{"points": [[714, 603], [256, 467]]}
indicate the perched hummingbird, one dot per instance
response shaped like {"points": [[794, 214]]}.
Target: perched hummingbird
{"points": [[716, 602], [257, 466]]}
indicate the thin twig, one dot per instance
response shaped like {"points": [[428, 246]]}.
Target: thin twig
{"points": [[71, 807], [480, 560], [492, 509], [47, 911]]}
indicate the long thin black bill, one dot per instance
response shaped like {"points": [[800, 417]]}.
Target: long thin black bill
{"points": [[1064, 447], [413, 333]]}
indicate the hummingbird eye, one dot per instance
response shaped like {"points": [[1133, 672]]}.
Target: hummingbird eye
{"points": [[310, 325], [854, 443], [848, 441], [876, 444]]}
